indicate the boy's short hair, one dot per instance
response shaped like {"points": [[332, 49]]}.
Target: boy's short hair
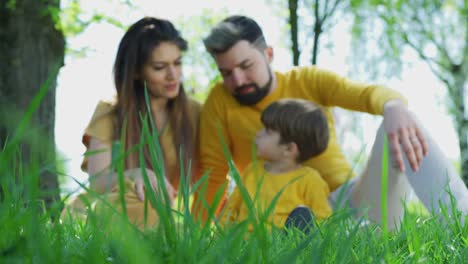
{"points": [[232, 30], [299, 121]]}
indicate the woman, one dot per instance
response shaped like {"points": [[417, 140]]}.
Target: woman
{"points": [[148, 59]]}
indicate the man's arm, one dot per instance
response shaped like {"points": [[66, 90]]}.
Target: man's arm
{"points": [[400, 125], [331, 89], [212, 158]]}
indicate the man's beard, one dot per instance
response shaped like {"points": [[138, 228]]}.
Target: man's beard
{"points": [[256, 95]]}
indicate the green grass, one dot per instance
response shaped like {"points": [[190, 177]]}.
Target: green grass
{"points": [[28, 235]]}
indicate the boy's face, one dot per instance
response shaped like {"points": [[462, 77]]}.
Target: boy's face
{"points": [[268, 145]]}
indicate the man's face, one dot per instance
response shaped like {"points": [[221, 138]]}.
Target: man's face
{"points": [[246, 72]]}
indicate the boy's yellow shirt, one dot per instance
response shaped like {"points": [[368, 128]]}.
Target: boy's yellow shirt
{"points": [[300, 187]]}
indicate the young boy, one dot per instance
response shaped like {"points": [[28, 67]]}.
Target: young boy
{"points": [[295, 130]]}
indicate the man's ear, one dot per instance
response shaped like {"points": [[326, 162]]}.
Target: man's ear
{"points": [[269, 54]]}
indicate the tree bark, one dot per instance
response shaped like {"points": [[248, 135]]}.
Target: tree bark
{"points": [[31, 49], [463, 144], [315, 46], [458, 98], [293, 22]]}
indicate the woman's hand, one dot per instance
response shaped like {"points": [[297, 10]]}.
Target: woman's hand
{"points": [[137, 176], [403, 131]]}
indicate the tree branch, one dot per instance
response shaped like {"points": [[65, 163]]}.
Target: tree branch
{"points": [[427, 33], [430, 61], [332, 11], [317, 12], [325, 10], [464, 61], [390, 16]]}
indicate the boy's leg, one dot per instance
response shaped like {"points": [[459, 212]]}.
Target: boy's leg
{"points": [[301, 218], [430, 184]]}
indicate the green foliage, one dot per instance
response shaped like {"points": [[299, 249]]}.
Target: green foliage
{"points": [[280, 9], [435, 31], [11, 4], [69, 22], [384, 30], [316, 18], [200, 70], [72, 22]]}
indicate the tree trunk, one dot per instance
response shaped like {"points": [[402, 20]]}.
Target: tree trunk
{"points": [[461, 119], [315, 47], [318, 24], [463, 144], [31, 51], [293, 22]]}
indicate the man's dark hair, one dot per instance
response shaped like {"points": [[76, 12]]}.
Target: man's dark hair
{"points": [[232, 30]]}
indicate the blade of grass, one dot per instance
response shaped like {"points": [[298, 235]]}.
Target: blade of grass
{"points": [[384, 187], [157, 155], [234, 173], [117, 149], [384, 190]]}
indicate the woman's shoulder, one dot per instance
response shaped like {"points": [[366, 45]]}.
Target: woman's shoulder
{"points": [[103, 120], [104, 107]]}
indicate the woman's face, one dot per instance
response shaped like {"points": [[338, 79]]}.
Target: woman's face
{"points": [[163, 71]]}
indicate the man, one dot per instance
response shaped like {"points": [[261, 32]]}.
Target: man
{"points": [[249, 85]]}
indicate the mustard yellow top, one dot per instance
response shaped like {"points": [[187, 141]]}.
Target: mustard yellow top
{"points": [[104, 121], [238, 124], [300, 187]]}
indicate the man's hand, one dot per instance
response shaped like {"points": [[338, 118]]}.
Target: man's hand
{"points": [[137, 176], [403, 131]]}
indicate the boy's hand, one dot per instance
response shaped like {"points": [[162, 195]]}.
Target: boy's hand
{"points": [[403, 131]]}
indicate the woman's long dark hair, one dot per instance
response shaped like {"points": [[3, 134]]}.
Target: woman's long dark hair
{"points": [[134, 51]]}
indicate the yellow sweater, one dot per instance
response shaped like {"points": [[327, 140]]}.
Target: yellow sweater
{"points": [[103, 126], [238, 124], [303, 186]]}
